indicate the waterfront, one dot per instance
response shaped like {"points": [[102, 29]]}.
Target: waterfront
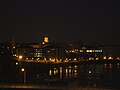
{"points": [[95, 74], [31, 87]]}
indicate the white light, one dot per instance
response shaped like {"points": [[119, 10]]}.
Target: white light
{"points": [[90, 72], [22, 69], [75, 66], [110, 58], [16, 63]]}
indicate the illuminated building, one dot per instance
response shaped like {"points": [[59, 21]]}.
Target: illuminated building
{"points": [[28, 52], [38, 53], [5, 50], [24, 51], [45, 40], [54, 52]]}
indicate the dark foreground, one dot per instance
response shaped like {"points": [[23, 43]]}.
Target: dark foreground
{"points": [[94, 75], [30, 87]]}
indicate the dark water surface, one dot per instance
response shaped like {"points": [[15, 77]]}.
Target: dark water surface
{"points": [[94, 75], [105, 74]]}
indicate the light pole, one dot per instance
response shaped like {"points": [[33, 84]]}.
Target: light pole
{"points": [[24, 77], [89, 72]]}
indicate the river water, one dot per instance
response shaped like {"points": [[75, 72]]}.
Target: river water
{"points": [[82, 75]]}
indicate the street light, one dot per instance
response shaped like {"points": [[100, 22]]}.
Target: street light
{"points": [[24, 72], [90, 72], [20, 57]]}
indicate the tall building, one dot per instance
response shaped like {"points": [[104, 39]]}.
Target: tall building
{"points": [[54, 52], [45, 39]]}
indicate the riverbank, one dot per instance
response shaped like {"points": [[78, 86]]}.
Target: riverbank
{"points": [[41, 87]]}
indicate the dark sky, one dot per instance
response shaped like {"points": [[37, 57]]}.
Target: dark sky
{"points": [[63, 21]]}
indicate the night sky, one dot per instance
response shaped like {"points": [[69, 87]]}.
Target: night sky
{"points": [[63, 21]]}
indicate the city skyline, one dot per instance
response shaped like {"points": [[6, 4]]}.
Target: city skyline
{"points": [[63, 21]]}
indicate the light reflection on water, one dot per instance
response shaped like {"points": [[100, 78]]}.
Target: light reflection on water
{"points": [[92, 75], [106, 74]]}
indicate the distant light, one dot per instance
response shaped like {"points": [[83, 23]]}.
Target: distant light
{"points": [[97, 58], [22, 69], [90, 72], [81, 50], [14, 55], [75, 59], [90, 58], [104, 57], [93, 50], [48, 51], [105, 65], [53, 60], [76, 50], [83, 47], [66, 71], [50, 72], [46, 39], [20, 57], [69, 58], [75, 71], [61, 69], [89, 50], [66, 51], [43, 42], [16, 63], [73, 51], [70, 70], [118, 58], [110, 58], [66, 58], [75, 66], [70, 66]]}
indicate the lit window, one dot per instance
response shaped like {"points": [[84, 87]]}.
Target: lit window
{"points": [[97, 58], [75, 59], [50, 72], [66, 51], [118, 58], [48, 51], [81, 50], [104, 57], [76, 50], [110, 58], [73, 51], [89, 51]]}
